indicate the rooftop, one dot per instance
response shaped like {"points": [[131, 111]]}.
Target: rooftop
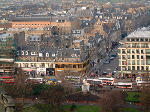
{"points": [[143, 32]]}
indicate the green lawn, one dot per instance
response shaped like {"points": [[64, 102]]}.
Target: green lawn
{"points": [[84, 108], [133, 96], [66, 108]]}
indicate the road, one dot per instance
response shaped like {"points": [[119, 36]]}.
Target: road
{"points": [[110, 67]]}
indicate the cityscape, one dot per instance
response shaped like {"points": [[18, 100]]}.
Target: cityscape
{"points": [[74, 56]]}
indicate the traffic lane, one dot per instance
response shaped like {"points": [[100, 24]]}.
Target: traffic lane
{"points": [[109, 68]]}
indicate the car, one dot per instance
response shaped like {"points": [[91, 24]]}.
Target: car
{"points": [[104, 73], [113, 55], [114, 71], [107, 62], [111, 58]]}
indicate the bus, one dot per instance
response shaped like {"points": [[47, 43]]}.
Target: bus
{"points": [[107, 81], [124, 85], [7, 79], [95, 82]]}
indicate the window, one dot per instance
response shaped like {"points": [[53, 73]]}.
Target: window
{"points": [[128, 51], [147, 68], [133, 67], [138, 45], [133, 45], [128, 39], [141, 57], [146, 45], [132, 40], [142, 51], [137, 56], [129, 45], [124, 63], [137, 51], [147, 51], [123, 57], [128, 56], [138, 62], [146, 39], [43, 65], [133, 62], [141, 40], [123, 51], [142, 62], [129, 62], [129, 68], [133, 56], [142, 67], [142, 45], [137, 39], [133, 51], [74, 66]]}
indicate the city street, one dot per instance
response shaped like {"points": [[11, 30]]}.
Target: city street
{"points": [[103, 67]]}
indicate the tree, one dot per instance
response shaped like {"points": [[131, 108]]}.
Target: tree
{"points": [[54, 97], [111, 101], [145, 98], [19, 89]]}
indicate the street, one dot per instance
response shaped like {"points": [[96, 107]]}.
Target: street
{"points": [[104, 67]]}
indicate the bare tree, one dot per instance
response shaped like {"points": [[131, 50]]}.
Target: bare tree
{"points": [[111, 101], [145, 98], [19, 89]]}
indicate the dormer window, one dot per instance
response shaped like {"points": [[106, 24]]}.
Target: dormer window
{"points": [[40, 55], [47, 54], [27, 53], [32, 53], [53, 55], [22, 52]]}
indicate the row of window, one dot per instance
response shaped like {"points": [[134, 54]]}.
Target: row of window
{"points": [[131, 57], [135, 68], [133, 62], [31, 24], [72, 65], [138, 39], [137, 45], [133, 51], [34, 65]]}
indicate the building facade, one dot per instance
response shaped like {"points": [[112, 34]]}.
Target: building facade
{"points": [[134, 53]]}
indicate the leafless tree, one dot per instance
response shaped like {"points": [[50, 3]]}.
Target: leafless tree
{"points": [[111, 101], [145, 98]]}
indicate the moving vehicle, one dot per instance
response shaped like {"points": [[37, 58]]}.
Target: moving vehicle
{"points": [[124, 85], [111, 58], [95, 82], [107, 81], [107, 62], [7, 79]]}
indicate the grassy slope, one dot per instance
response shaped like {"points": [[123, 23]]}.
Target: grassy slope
{"points": [[133, 97]]}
